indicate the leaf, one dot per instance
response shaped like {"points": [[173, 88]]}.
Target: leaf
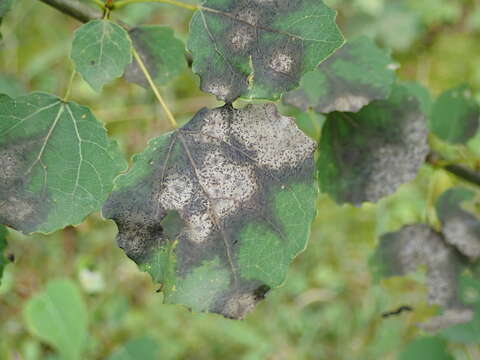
{"points": [[259, 49], [366, 156], [162, 54], [426, 348], [144, 348], [455, 116], [403, 251], [58, 316], [56, 163], [461, 228], [3, 245], [353, 77], [216, 210], [101, 50]]}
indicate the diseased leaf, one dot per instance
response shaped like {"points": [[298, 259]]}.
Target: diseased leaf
{"points": [[455, 116], [217, 210], [162, 54], [101, 50], [353, 77], [366, 156], [3, 245], [144, 348], [56, 163], [59, 316], [461, 228], [403, 251], [259, 49]]}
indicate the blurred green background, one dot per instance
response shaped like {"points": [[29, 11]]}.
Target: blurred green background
{"points": [[330, 306]]}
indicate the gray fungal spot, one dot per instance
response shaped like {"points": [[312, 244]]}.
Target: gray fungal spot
{"points": [[464, 233], [449, 318], [282, 63], [404, 251]]}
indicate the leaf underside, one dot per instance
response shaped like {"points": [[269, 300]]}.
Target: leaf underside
{"points": [[101, 50], [216, 210], [455, 116], [56, 163], [353, 77], [366, 156], [259, 49], [162, 54], [460, 228]]}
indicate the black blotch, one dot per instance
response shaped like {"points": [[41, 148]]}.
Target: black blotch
{"points": [[401, 309], [92, 62]]}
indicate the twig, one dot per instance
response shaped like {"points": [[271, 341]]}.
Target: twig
{"points": [[75, 9]]}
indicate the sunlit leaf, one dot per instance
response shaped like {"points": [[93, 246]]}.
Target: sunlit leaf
{"points": [[217, 210], [59, 317], [460, 227], [162, 54], [259, 49], [56, 163], [366, 156], [455, 116], [353, 77], [101, 50]]}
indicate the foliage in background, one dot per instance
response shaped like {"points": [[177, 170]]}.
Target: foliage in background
{"points": [[328, 287]]}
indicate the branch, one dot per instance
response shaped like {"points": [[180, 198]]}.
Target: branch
{"points": [[75, 9], [459, 171], [464, 173]]}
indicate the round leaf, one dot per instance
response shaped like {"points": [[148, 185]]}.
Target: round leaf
{"points": [[354, 76], [259, 49], [366, 156], [455, 116], [214, 211], [56, 163], [162, 54], [101, 50]]}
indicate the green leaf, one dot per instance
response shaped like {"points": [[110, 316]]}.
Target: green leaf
{"points": [[59, 316], [455, 116], [353, 77], [426, 348], [162, 54], [56, 163], [460, 227], [366, 156], [144, 348], [3, 245], [101, 50], [261, 49], [215, 212]]}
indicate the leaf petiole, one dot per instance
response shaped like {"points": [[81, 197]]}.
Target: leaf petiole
{"points": [[69, 88], [159, 97], [122, 3]]}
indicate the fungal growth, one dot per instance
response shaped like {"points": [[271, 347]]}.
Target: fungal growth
{"points": [[366, 156], [404, 251], [43, 188], [241, 183], [162, 54], [259, 49], [460, 227], [357, 74]]}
